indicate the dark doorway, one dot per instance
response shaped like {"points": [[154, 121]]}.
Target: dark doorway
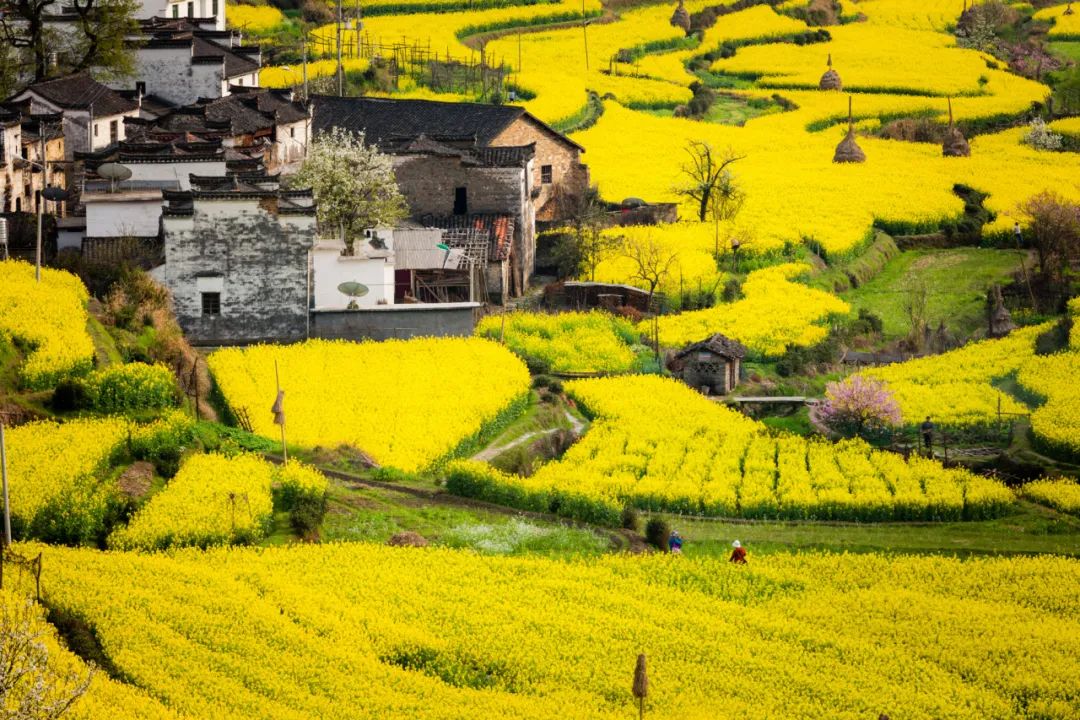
{"points": [[461, 201]]}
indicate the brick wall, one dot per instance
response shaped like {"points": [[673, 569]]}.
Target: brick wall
{"points": [[262, 260], [569, 175]]}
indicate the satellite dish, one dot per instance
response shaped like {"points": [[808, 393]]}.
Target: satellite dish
{"points": [[353, 289], [114, 173]]}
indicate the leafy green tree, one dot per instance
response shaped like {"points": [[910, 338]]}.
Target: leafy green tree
{"points": [[353, 182]]}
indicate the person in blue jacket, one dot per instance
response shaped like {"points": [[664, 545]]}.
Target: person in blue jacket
{"points": [[674, 542]]}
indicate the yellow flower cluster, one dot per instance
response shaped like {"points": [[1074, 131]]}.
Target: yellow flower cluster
{"points": [[297, 478], [565, 342], [1067, 126], [774, 313], [955, 387], [285, 76], [658, 445], [213, 500], [253, 18], [104, 698], [1056, 423], [1062, 494], [52, 471], [438, 634], [405, 403], [936, 15], [49, 317]]}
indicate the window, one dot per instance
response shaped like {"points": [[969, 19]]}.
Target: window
{"points": [[240, 82], [176, 11], [211, 303], [545, 174], [292, 133], [114, 131], [213, 8], [95, 129], [461, 201], [191, 9]]}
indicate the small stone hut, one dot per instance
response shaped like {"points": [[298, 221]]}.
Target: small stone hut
{"points": [[831, 79], [711, 365]]}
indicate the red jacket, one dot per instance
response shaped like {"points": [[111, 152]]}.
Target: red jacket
{"points": [[738, 555]]}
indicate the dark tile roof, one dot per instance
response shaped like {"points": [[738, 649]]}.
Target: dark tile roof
{"points": [[236, 63], [468, 154], [245, 185], [381, 119], [241, 113], [82, 92], [718, 344]]}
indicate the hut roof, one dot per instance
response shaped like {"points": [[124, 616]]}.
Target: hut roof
{"points": [[718, 344], [831, 79], [848, 151], [681, 17], [955, 144]]}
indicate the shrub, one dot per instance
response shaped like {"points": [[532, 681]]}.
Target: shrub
{"points": [[631, 519], [303, 492], [1041, 137], [125, 388], [657, 533]]}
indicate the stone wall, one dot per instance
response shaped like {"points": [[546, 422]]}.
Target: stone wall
{"points": [[396, 321], [568, 173], [428, 184], [260, 261]]}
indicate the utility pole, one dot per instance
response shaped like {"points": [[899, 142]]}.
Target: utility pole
{"points": [[585, 33], [305, 65], [340, 68], [40, 200], [3, 473]]}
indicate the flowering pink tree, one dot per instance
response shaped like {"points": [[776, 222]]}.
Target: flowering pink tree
{"points": [[858, 406]]}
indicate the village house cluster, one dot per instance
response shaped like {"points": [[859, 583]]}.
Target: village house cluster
{"points": [[180, 168]]}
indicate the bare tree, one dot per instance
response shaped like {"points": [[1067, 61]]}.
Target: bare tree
{"points": [[1054, 229], [651, 261], [727, 201], [704, 172], [917, 308], [32, 687], [580, 250]]}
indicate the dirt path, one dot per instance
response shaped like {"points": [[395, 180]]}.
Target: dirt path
{"points": [[492, 451]]}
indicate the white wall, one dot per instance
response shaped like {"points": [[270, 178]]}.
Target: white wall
{"points": [[170, 74], [100, 133], [200, 9], [330, 269], [178, 171], [118, 218]]}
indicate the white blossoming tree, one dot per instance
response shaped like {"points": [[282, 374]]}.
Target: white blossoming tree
{"points": [[353, 182]]}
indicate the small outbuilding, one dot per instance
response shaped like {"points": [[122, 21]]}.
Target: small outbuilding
{"points": [[711, 365]]}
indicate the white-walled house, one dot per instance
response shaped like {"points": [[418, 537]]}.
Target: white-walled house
{"points": [[192, 9], [181, 61], [93, 114]]}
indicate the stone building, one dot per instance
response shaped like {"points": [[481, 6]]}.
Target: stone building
{"points": [[557, 168], [21, 179], [711, 365], [236, 259], [93, 114], [206, 10]]}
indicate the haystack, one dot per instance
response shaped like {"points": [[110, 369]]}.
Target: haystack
{"points": [[1068, 10], [831, 79], [954, 145], [681, 17], [848, 151]]}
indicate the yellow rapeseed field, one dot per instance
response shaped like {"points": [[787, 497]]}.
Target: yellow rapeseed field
{"points": [[405, 403], [565, 342], [656, 444], [213, 500], [774, 313], [49, 317], [1062, 494], [365, 631], [253, 18]]}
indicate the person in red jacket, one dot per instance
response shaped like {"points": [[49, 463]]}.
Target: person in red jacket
{"points": [[738, 555]]}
